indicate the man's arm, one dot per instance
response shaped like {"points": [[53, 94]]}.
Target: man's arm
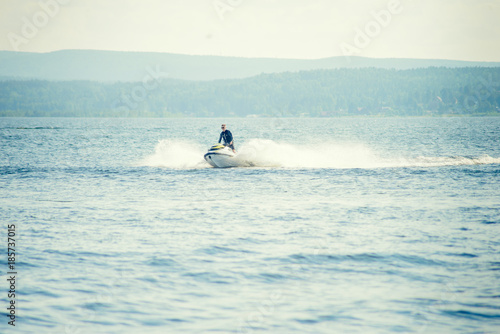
{"points": [[220, 137]]}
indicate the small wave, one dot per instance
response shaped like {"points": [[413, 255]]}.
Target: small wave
{"points": [[325, 318], [490, 222], [210, 277], [273, 277], [423, 161], [8, 170], [162, 262], [471, 315], [218, 250], [468, 255], [400, 259], [37, 128], [41, 292]]}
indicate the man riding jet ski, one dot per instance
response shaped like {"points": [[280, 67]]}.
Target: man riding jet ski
{"points": [[227, 136], [222, 155]]}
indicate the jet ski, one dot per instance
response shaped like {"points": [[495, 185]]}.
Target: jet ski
{"points": [[221, 156]]}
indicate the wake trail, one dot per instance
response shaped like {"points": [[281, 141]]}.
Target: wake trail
{"points": [[178, 154]]}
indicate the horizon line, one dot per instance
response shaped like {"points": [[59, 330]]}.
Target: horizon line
{"points": [[244, 57]]}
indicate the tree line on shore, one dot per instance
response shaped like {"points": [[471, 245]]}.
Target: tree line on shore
{"points": [[317, 93]]}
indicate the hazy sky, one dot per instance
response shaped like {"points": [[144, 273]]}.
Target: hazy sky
{"points": [[445, 29]]}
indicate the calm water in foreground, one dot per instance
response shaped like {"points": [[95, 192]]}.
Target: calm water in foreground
{"points": [[351, 225]]}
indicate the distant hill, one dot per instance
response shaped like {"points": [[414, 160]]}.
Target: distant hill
{"points": [[113, 66], [318, 93]]}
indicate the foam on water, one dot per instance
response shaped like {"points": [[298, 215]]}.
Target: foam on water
{"points": [[175, 154], [268, 153]]}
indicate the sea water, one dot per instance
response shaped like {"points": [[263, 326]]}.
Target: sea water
{"points": [[345, 225]]}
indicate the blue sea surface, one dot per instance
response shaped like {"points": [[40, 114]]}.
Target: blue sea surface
{"points": [[344, 225]]}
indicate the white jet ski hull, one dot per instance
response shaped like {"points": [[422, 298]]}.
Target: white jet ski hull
{"points": [[220, 156], [221, 160]]}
